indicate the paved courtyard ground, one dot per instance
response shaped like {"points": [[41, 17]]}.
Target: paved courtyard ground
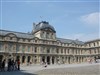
{"points": [[70, 69]]}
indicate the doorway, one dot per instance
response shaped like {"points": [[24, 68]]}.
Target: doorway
{"points": [[43, 59], [48, 59], [28, 59], [23, 59], [53, 60]]}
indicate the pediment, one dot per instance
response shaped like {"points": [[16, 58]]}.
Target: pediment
{"points": [[11, 35]]}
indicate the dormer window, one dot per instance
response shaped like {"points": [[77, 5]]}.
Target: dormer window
{"points": [[10, 38], [35, 41], [44, 30], [23, 40], [47, 36]]}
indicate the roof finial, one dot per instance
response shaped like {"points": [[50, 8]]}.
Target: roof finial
{"points": [[41, 17]]}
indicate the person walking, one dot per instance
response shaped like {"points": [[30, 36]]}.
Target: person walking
{"points": [[3, 65], [18, 64], [15, 65], [9, 65], [12, 65], [0, 65]]}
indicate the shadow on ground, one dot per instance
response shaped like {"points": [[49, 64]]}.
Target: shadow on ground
{"points": [[21, 72]]}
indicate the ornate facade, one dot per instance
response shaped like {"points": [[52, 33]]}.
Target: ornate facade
{"points": [[42, 45]]}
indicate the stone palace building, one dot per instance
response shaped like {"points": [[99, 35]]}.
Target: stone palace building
{"points": [[42, 45]]}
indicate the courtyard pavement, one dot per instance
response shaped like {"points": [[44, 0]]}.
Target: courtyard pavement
{"points": [[65, 69]]}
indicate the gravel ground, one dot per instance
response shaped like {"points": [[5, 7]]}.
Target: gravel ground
{"points": [[79, 70]]}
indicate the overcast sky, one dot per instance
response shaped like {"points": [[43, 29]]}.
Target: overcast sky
{"points": [[72, 19]]}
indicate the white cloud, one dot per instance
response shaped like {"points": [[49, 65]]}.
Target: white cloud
{"points": [[82, 36], [91, 19]]}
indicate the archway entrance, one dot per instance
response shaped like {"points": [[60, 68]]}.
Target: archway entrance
{"points": [[23, 59], [53, 60], [18, 58], [48, 59], [43, 59], [69, 60], [28, 60]]}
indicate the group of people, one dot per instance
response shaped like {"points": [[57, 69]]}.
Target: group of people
{"points": [[10, 65]]}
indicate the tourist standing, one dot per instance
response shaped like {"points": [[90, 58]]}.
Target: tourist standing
{"points": [[15, 65], [9, 65], [3, 65], [0, 65], [18, 65]]}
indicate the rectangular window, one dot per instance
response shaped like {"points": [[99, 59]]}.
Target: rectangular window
{"points": [[17, 48], [1, 45], [23, 48], [68, 51], [35, 49], [28, 48], [61, 50]]}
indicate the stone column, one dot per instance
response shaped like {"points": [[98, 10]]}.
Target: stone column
{"points": [[20, 58], [60, 60], [39, 60], [74, 59], [51, 60], [31, 58], [26, 58], [64, 59], [67, 60], [79, 59], [46, 59]]}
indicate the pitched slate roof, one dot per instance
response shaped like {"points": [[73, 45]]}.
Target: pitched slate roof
{"points": [[30, 36], [70, 41], [18, 34]]}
